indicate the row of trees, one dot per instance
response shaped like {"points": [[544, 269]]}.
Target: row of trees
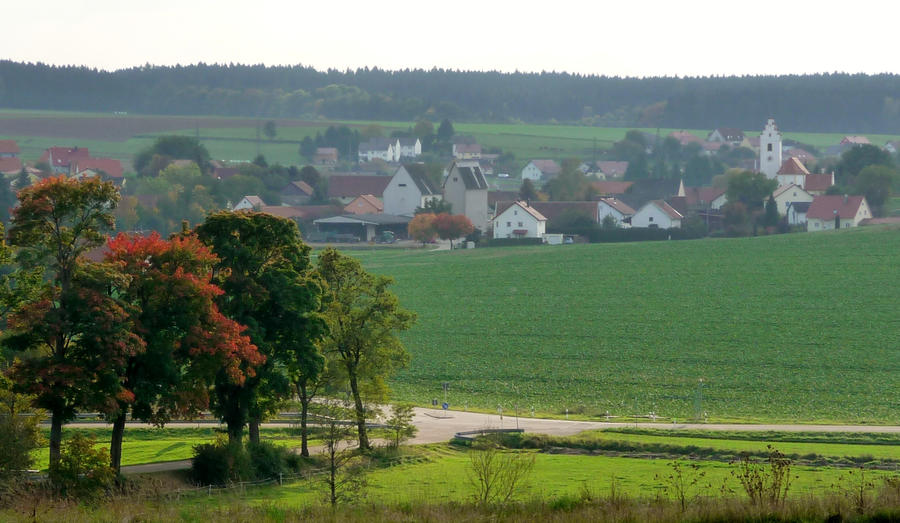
{"points": [[839, 102], [230, 316]]}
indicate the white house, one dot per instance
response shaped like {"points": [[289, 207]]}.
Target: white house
{"points": [[379, 148], [519, 220], [657, 214], [408, 189], [727, 135], [466, 190], [409, 147], [467, 151], [770, 150], [538, 169], [251, 202], [787, 194], [825, 210], [619, 210]]}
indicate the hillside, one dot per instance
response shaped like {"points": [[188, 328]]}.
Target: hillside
{"points": [[793, 327], [811, 103]]}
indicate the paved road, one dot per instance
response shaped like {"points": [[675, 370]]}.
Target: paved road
{"points": [[436, 426]]}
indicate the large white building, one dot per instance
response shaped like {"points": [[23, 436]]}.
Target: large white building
{"points": [[465, 189], [657, 214], [770, 150]]}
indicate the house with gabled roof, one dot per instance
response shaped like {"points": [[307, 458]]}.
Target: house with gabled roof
{"points": [[326, 156], [685, 137], [364, 204], [657, 214], [467, 151], [643, 191], [10, 165], [108, 169], [727, 135], [250, 202], [801, 154], [609, 169], [556, 210], [9, 149], [518, 219], [792, 171], [540, 170], [704, 198], [407, 190], [297, 192], [610, 187], [855, 140], [796, 212], [827, 211], [346, 187], [408, 148], [60, 159], [465, 189], [379, 148], [620, 211], [785, 195]]}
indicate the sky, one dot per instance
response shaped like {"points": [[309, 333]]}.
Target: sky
{"points": [[624, 38]]}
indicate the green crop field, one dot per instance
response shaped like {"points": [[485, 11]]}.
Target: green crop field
{"points": [[799, 327]]}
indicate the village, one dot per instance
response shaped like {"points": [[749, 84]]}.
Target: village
{"points": [[391, 185]]}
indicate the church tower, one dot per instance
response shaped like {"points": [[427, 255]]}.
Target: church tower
{"points": [[770, 150]]}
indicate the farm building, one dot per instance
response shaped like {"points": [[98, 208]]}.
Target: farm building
{"points": [[519, 220], [466, 190], [704, 198], [643, 191], [366, 227], [407, 190], [827, 211], [326, 156], [657, 214], [346, 188], [297, 193]]}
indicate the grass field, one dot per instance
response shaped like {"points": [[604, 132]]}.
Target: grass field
{"points": [[786, 328], [229, 138]]}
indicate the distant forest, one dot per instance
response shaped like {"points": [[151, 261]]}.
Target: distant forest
{"points": [[814, 103]]}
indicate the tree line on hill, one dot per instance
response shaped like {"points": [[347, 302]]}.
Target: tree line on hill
{"points": [[815, 103], [231, 316]]}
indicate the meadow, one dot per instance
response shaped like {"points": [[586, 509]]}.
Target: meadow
{"points": [[235, 139], [787, 328]]}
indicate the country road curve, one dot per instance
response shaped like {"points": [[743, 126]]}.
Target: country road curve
{"points": [[437, 426]]}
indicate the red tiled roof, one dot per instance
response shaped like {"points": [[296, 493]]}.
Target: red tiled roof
{"points": [[711, 146], [305, 212], [365, 204], [856, 140], [666, 208], [701, 195], [609, 187], [547, 166], [64, 156], [612, 168], [10, 165], [618, 205], [467, 148], [495, 197], [684, 137], [823, 207], [819, 182], [112, 167], [300, 186], [351, 186], [553, 210], [522, 205], [9, 147], [792, 166]]}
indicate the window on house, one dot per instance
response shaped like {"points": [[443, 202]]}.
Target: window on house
{"points": [[509, 224], [651, 219], [402, 184], [516, 213], [520, 224], [769, 147], [455, 179]]}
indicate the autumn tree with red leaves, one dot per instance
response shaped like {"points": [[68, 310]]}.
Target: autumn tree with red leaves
{"points": [[421, 228], [452, 226], [73, 340], [188, 341], [269, 286]]}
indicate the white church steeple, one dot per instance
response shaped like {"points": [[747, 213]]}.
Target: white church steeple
{"points": [[770, 150]]}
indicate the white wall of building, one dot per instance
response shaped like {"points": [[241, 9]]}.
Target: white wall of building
{"points": [[531, 172], [516, 218], [652, 216], [770, 150]]}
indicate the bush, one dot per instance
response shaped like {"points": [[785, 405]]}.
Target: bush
{"points": [[83, 471], [219, 463]]}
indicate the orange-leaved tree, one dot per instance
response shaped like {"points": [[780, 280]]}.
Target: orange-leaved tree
{"points": [[421, 228], [452, 226]]}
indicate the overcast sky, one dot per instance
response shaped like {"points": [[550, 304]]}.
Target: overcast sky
{"points": [[624, 38]]}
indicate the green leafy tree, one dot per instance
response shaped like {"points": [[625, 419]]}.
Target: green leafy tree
{"points": [[749, 188], [876, 183], [423, 129], [307, 148], [363, 319], [771, 216], [73, 339], [570, 185], [854, 160], [401, 424], [527, 191], [20, 430], [7, 199], [270, 130], [263, 261], [173, 146], [445, 131], [434, 206]]}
